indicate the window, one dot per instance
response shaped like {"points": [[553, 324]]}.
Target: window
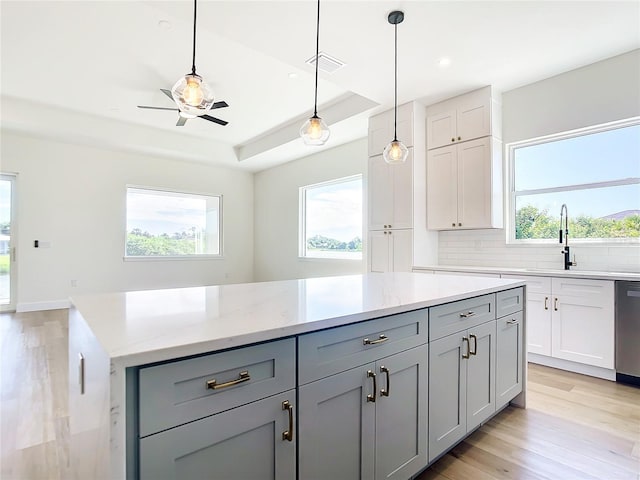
{"points": [[595, 172], [331, 219], [172, 224]]}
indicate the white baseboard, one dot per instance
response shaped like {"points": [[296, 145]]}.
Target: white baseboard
{"points": [[599, 372], [38, 306]]}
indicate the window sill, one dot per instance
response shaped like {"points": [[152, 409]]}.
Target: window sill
{"points": [[172, 258]]}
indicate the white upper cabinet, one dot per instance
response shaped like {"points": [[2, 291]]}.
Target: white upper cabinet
{"points": [[381, 129], [459, 119], [390, 194], [464, 163], [464, 186]]}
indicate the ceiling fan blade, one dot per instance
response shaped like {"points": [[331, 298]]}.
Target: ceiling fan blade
{"points": [[213, 119], [181, 121], [158, 108], [167, 93], [222, 104]]}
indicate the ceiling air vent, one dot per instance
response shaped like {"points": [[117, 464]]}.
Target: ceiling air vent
{"points": [[327, 63]]}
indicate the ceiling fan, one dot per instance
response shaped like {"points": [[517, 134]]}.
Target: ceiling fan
{"points": [[183, 116]]}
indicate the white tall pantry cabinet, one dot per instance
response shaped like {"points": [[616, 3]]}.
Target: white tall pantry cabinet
{"points": [[397, 219]]}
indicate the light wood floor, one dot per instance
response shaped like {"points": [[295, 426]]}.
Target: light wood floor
{"points": [[575, 427]]}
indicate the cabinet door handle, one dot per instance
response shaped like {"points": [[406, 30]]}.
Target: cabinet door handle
{"points": [[453, 224], [383, 392], [513, 321], [372, 396], [390, 226], [288, 434], [459, 224], [453, 139], [475, 345], [459, 138], [382, 338], [555, 304], [465, 339], [468, 314], [242, 377], [81, 372], [546, 303]]}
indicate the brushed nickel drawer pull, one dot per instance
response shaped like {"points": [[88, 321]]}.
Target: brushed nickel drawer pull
{"points": [[382, 338], [372, 397], [546, 303], [475, 345], [468, 314], [385, 392], [81, 372], [513, 321], [288, 434], [555, 304], [243, 377], [465, 339]]}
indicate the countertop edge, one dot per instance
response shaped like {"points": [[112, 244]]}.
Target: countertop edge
{"points": [[138, 359], [624, 276]]}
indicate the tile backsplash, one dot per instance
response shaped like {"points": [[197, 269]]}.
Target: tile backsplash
{"points": [[488, 248]]}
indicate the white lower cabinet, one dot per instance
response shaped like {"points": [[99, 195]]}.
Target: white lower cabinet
{"points": [[391, 250], [244, 443], [571, 319], [461, 385], [369, 422]]}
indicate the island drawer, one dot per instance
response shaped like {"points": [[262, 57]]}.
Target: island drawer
{"points": [[509, 301], [457, 316], [178, 392], [335, 350]]}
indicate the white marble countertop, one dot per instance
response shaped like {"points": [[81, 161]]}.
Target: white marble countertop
{"points": [[587, 274], [135, 328]]}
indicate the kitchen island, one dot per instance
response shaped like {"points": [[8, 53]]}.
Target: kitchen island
{"points": [[150, 370]]}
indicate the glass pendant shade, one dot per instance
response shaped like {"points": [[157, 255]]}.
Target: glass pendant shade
{"points": [[314, 131], [395, 152], [192, 95]]}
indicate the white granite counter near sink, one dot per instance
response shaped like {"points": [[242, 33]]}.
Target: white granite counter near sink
{"points": [[574, 273]]}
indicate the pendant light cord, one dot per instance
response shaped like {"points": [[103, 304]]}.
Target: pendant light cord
{"points": [[315, 101], [395, 110], [193, 61]]}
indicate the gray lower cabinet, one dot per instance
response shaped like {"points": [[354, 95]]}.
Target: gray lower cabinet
{"points": [[461, 385], [369, 422], [509, 358], [244, 443]]}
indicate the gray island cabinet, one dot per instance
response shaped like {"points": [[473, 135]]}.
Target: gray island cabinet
{"points": [[356, 377]]}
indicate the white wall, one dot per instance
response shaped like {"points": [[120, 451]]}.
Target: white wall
{"points": [[74, 197], [602, 92], [276, 211]]}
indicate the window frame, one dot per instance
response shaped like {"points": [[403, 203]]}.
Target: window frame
{"points": [[302, 219], [511, 194], [189, 257]]}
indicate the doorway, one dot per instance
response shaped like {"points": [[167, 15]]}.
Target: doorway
{"points": [[7, 243]]}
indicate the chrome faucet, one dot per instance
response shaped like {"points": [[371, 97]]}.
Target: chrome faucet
{"points": [[567, 258]]}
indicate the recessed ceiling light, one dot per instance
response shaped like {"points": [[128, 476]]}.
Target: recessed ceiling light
{"points": [[164, 24], [444, 62], [293, 75]]}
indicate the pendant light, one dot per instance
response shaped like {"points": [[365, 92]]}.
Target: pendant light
{"points": [[395, 152], [315, 131], [192, 95]]}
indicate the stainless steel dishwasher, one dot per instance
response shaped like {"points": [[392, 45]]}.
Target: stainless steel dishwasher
{"points": [[628, 332]]}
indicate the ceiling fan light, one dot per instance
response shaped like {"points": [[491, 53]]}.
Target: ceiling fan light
{"points": [[395, 152], [314, 131], [192, 95]]}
